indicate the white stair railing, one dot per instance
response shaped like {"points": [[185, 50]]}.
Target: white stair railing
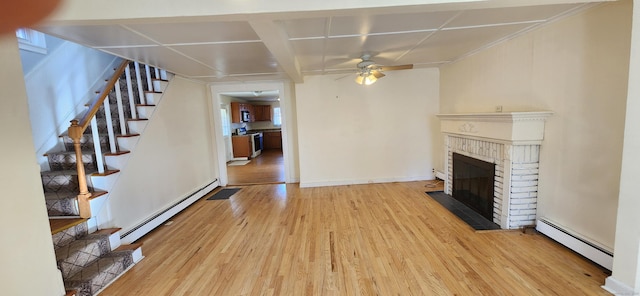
{"points": [[78, 127]]}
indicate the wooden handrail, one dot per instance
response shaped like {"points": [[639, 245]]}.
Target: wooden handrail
{"points": [[95, 106], [76, 130]]}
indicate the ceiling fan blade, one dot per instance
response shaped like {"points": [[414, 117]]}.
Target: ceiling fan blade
{"points": [[399, 67], [378, 74]]}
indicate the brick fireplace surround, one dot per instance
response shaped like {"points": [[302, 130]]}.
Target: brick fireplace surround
{"points": [[510, 140]]}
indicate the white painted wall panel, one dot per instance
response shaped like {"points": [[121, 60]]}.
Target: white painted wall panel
{"points": [[173, 158], [352, 134]]}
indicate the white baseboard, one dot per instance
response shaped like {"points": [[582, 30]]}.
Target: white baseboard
{"points": [[616, 287], [576, 243], [359, 182], [156, 220]]}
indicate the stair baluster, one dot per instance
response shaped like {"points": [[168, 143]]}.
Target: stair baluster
{"points": [[109, 120], [132, 103], [97, 148], [139, 83], [123, 123], [148, 71]]}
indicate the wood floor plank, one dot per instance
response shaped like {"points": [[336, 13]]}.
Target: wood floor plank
{"points": [[267, 168], [376, 239]]}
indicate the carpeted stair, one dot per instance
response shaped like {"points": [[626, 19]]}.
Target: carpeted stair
{"points": [[88, 261]]}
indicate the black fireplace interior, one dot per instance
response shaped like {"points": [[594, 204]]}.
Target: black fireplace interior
{"points": [[473, 181]]}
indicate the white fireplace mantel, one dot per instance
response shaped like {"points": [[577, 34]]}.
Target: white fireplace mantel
{"points": [[510, 140], [508, 127]]}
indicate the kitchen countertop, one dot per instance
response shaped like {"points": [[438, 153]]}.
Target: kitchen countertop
{"points": [[264, 130]]}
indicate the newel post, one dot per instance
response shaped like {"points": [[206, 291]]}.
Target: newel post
{"points": [[75, 132]]}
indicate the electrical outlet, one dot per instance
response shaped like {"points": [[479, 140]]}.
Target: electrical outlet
{"points": [[499, 108]]}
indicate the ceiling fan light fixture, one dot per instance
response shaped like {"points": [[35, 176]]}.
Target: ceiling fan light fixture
{"points": [[366, 78]]}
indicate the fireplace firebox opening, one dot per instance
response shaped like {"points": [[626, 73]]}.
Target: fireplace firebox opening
{"points": [[473, 183]]}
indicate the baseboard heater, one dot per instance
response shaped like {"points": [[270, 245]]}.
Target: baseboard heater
{"points": [[576, 243], [159, 218]]}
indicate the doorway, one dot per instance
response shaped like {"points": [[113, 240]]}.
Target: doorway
{"points": [[235, 134]]}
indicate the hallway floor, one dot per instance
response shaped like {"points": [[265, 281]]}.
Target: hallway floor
{"points": [[267, 168]]}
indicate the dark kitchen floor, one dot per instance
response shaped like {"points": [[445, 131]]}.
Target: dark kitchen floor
{"points": [[475, 220]]}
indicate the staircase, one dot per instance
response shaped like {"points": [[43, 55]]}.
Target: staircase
{"points": [[90, 258]]}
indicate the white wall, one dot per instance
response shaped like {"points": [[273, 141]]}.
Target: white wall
{"points": [[27, 260], [173, 158], [351, 134], [576, 67], [58, 89]]}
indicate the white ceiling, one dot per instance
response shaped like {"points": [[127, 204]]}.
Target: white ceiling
{"points": [[281, 46]]}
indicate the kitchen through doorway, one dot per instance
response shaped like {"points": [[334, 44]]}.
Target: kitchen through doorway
{"points": [[251, 122]]}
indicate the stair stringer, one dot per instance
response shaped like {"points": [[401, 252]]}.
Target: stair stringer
{"points": [[99, 209]]}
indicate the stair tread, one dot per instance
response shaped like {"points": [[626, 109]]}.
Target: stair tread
{"points": [[69, 152], [59, 225], [65, 172], [129, 247], [127, 136], [119, 152], [106, 173], [108, 231], [65, 195]]}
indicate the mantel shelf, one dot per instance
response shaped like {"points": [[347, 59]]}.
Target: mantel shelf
{"points": [[503, 127], [499, 117]]}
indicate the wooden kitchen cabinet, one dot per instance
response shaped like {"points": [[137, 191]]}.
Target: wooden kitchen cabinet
{"points": [[236, 111], [262, 112], [272, 140], [241, 146]]}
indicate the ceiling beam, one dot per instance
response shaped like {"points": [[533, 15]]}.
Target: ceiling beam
{"points": [[277, 41]]}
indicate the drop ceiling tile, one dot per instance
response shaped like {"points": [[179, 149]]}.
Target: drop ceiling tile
{"points": [[447, 45], [164, 58], [247, 78], [176, 33], [233, 58], [98, 36], [508, 15], [367, 24], [305, 28], [386, 48], [310, 53]]}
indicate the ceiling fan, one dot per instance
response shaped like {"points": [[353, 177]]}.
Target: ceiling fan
{"points": [[369, 72]]}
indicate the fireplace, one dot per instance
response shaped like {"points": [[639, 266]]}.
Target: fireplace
{"points": [[473, 182], [510, 143]]}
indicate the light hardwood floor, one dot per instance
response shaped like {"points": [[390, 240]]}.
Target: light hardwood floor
{"points": [[267, 168], [376, 239]]}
